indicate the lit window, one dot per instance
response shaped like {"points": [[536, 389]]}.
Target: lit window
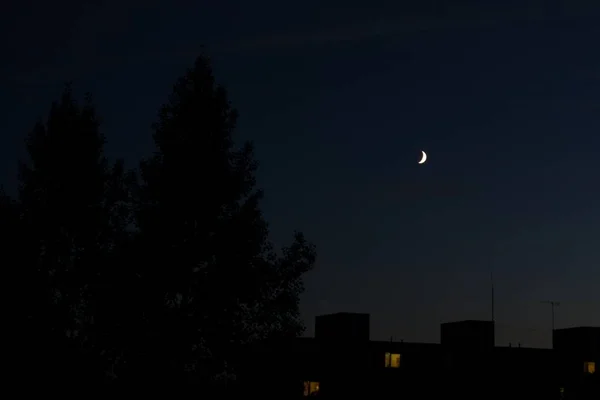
{"points": [[311, 388], [589, 367], [392, 360]]}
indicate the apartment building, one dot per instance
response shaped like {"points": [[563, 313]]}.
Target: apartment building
{"points": [[342, 362]]}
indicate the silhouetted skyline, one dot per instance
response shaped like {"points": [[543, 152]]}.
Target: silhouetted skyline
{"points": [[340, 99]]}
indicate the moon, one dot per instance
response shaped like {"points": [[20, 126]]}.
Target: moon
{"points": [[424, 157]]}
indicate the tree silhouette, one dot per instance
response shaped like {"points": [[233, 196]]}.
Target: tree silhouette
{"points": [[209, 278], [69, 211], [10, 227], [167, 276]]}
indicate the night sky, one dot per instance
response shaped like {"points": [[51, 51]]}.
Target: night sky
{"points": [[340, 98]]}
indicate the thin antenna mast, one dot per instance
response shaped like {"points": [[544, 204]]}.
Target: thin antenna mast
{"points": [[493, 304], [553, 304]]}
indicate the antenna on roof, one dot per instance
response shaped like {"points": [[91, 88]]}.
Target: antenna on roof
{"points": [[492, 283], [553, 304]]}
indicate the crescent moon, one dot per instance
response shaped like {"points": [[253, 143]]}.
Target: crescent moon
{"points": [[424, 158]]}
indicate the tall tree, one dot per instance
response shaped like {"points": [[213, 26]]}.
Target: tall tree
{"points": [[13, 277], [9, 230], [210, 279], [11, 259], [70, 213]]}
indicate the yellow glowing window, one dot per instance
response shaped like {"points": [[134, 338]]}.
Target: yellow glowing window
{"points": [[589, 367], [392, 360], [311, 388]]}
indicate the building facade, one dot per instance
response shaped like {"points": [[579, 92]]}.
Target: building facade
{"points": [[342, 362]]}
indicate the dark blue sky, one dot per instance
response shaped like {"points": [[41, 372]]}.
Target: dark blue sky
{"points": [[340, 97]]}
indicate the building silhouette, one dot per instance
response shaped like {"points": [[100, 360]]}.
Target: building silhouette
{"points": [[342, 362]]}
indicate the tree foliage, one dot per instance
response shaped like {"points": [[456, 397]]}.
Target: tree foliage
{"points": [[164, 273], [213, 280], [69, 210]]}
